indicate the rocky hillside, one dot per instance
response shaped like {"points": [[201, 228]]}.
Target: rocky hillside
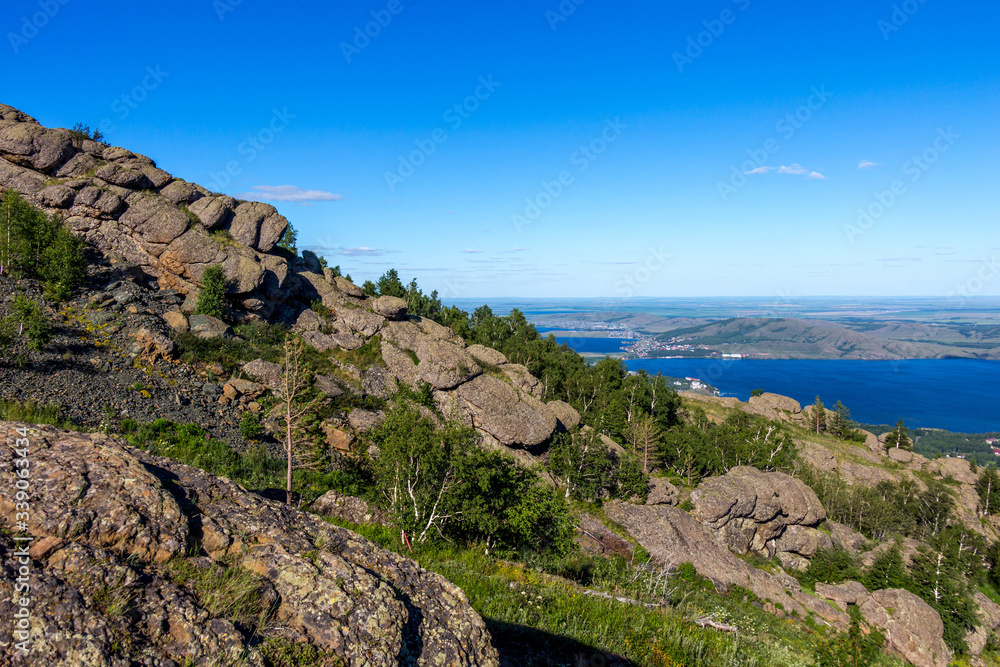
{"points": [[137, 560]]}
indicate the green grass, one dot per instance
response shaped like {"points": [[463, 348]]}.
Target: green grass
{"points": [[224, 590], [31, 412], [258, 341], [540, 619]]}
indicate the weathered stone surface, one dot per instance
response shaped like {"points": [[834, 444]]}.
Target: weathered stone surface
{"points": [[57, 196], [899, 455], [842, 594], [486, 355], [98, 202], [747, 508], [390, 307], [31, 145], [400, 364], [509, 415], [206, 326], [265, 372], [156, 219], [958, 469], [244, 271], [348, 288], [100, 503], [661, 491], [566, 414], [521, 378], [361, 321], [913, 629], [182, 192], [803, 540], [176, 320], [308, 320], [443, 364], [155, 345], [328, 385], [846, 538], [347, 508], [337, 439], [20, 179], [214, 212], [777, 402], [362, 420], [123, 177]]}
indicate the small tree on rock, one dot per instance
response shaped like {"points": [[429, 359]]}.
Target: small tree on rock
{"points": [[644, 434], [898, 437], [212, 295], [295, 382]]}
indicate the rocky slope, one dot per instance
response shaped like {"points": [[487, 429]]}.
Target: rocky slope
{"points": [[112, 527]]}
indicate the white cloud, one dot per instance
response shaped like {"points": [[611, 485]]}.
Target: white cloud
{"points": [[867, 164], [759, 170], [472, 251], [363, 251], [796, 169], [291, 193], [816, 176]]}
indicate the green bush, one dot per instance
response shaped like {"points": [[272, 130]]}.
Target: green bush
{"points": [[35, 245], [29, 318], [830, 567], [250, 427], [212, 294]]}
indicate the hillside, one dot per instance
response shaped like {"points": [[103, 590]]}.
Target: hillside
{"points": [[320, 473]]}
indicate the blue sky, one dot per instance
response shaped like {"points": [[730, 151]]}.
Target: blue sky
{"points": [[736, 148]]}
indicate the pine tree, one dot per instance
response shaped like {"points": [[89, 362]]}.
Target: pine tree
{"points": [[817, 416], [887, 571], [988, 487], [898, 437], [644, 435], [938, 580], [295, 382]]}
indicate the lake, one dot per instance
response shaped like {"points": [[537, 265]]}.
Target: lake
{"points": [[953, 394]]}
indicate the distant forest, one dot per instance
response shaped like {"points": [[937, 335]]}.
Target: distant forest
{"points": [[934, 443]]}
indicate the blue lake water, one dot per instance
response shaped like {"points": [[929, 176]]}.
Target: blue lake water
{"points": [[953, 394], [595, 345]]}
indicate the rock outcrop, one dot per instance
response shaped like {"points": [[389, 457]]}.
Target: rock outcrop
{"points": [[751, 511], [122, 204], [112, 525]]}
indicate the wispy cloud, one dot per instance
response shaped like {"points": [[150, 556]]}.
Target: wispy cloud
{"points": [[518, 249], [291, 193], [867, 164], [796, 169], [363, 251], [472, 251]]}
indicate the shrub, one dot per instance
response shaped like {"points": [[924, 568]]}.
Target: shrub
{"points": [[250, 427], [30, 319], [212, 295], [830, 567]]}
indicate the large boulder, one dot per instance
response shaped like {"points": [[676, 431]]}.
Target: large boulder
{"points": [[511, 416], [265, 372], [444, 365], [207, 327], [257, 225], [103, 512], [913, 630], [487, 355], [390, 307], [567, 415], [28, 144], [749, 509]]}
